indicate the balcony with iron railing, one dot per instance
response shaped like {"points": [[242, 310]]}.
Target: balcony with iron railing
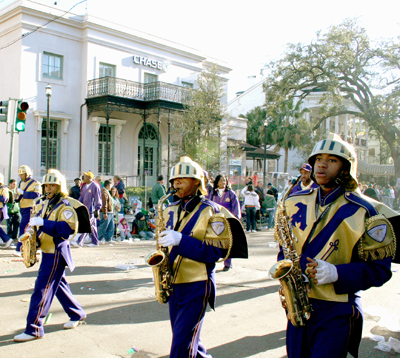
{"points": [[146, 92]]}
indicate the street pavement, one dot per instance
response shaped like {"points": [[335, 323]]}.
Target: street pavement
{"points": [[114, 285]]}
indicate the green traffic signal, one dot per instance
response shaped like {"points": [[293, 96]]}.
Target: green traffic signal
{"points": [[20, 120]]}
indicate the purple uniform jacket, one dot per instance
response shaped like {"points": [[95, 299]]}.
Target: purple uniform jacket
{"points": [[60, 232], [228, 200], [91, 197]]}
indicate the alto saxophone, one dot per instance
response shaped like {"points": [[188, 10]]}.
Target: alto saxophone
{"points": [[293, 290], [29, 238], [159, 259]]}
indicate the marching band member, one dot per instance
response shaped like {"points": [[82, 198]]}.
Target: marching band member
{"points": [[28, 190], [4, 196], [305, 181], [59, 217], [198, 239], [345, 245], [91, 198]]}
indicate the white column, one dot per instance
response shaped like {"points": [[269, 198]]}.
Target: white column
{"points": [[346, 118], [337, 124], [354, 129], [328, 124]]}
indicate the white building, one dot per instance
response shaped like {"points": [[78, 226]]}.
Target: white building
{"points": [[110, 84], [349, 127]]}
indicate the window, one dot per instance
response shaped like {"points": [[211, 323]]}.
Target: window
{"points": [[106, 69], [150, 87], [54, 144], [105, 149], [147, 155], [371, 152], [52, 66], [150, 78], [187, 84]]}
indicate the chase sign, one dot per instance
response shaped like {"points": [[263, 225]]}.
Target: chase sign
{"points": [[144, 61]]}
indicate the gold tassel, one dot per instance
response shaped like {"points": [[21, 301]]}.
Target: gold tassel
{"points": [[221, 244]]}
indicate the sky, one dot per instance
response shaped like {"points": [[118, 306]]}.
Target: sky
{"points": [[244, 34]]}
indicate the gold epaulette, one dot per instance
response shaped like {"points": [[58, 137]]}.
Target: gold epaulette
{"points": [[378, 241]]}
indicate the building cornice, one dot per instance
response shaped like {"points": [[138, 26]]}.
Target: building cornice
{"points": [[89, 25]]}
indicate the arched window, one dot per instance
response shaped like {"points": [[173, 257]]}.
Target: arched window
{"points": [[148, 132]]}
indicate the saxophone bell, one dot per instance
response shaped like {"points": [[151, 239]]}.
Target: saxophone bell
{"points": [[29, 241]]}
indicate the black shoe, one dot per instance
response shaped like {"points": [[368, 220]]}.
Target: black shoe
{"points": [[226, 268]]}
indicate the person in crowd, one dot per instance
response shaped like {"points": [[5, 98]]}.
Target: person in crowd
{"points": [[371, 192], [143, 227], [106, 224], [59, 217], [248, 181], [209, 185], [28, 190], [270, 206], [386, 195], [199, 233], [14, 216], [116, 208], [378, 190], [75, 191], [158, 190], [259, 189], [91, 198], [305, 181], [4, 198], [392, 196], [251, 205], [118, 183], [124, 230], [136, 206], [345, 246], [274, 190], [223, 195], [98, 181]]}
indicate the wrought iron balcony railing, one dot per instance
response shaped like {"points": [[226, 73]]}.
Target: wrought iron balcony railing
{"points": [[119, 87]]}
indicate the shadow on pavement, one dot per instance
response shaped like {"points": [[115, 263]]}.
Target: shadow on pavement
{"points": [[245, 295], [248, 346]]}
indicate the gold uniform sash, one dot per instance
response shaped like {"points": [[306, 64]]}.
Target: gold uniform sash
{"points": [[212, 229]]}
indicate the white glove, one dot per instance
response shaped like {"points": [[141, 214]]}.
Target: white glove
{"points": [[326, 273], [170, 238], [36, 221], [20, 191]]}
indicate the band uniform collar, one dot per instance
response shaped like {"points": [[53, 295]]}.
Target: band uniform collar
{"points": [[331, 197]]}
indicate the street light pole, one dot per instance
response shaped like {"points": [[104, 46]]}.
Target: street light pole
{"points": [[265, 152], [48, 95]]}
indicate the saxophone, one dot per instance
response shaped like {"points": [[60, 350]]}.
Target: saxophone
{"points": [[159, 259], [29, 239], [293, 290]]}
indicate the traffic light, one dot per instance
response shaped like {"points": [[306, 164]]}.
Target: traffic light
{"points": [[3, 111], [20, 120]]}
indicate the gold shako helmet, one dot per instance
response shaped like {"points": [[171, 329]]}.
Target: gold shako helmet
{"points": [[336, 146], [187, 168], [55, 177], [24, 169]]}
